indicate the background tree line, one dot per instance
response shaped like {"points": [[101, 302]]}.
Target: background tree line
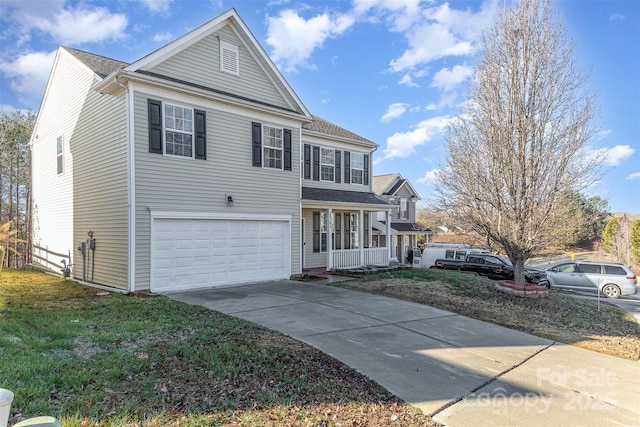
{"points": [[15, 188]]}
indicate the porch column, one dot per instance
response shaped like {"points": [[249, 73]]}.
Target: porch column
{"points": [[329, 228], [388, 224], [361, 236]]}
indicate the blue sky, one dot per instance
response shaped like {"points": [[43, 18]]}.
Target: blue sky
{"points": [[393, 71]]}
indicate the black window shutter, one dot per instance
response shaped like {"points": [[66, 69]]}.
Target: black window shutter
{"points": [[287, 149], [347, 231], [366, 229], [155, 126], [365, 172], [201, 134], [316, 163], [256, 143], [347, 167], [316, 232], [307, 161], [338, 168], [337, 241]]}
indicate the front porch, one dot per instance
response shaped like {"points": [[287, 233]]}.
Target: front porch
{"points": [[337, 230]]}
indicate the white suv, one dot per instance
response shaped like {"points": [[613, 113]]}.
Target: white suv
{"points": [[611, 279]]}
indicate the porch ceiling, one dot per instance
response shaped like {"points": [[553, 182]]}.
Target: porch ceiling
{"points": [[313, 197]]}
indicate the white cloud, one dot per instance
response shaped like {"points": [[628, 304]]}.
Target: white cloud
{"points": [[441, 32], [30, 72], [617, 17], [162, 37], [158, 6], [447, 80], [293, 38], [408, 81], [430, 176], [615, 155], [76, 26], [394, 111], [403, 144], [635, 175]]}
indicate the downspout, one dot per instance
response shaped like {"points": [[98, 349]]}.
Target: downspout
{"points": [[131, 202]]}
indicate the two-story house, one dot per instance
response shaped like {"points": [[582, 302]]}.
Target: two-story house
{"points": [[195, 166], [404, 229]]}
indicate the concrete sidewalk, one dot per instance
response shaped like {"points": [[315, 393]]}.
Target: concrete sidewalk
{"points": [[459, 370]]}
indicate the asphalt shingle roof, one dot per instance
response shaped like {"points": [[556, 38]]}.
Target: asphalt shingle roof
{"points": [[322, 126], [100, 65], [342, 196]]}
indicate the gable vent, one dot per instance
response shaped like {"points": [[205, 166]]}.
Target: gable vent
{"points": [[229, 61]]}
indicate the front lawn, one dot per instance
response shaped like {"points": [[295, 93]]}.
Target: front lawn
{"points": [[560, 317], [116, 360]]}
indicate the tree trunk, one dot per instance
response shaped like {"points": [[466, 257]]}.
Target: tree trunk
{"points": [[518, 271]]}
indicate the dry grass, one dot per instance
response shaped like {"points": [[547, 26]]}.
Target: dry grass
{"points": [[116, 360], [609, 330]]}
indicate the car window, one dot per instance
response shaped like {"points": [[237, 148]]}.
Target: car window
{"points": [[615, 269], [492, 260], [565, 268], [589, 268], [449, 254], [461, 254], [477, 260]]}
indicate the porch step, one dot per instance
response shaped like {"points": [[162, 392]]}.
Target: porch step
{"points": [[372, 269]]}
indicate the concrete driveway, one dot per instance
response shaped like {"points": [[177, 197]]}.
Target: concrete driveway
{"points": [[459, 370]]}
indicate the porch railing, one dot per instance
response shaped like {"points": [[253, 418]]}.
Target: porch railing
{"points": [[350, 258], [376, 256]]}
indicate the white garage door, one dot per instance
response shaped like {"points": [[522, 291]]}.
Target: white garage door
{"points": [[197, 253]]}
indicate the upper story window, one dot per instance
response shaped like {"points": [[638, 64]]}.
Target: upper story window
{"points": [[357, 168], [178, 130], [229, 58], [272, 146], [327, 163], [403, 212], [60, 155]]}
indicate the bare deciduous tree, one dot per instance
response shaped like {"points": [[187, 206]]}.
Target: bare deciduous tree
{"points": [[519, 145]]}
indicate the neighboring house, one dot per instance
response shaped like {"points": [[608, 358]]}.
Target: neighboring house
{"points": [[404, 229], [196, 166]]}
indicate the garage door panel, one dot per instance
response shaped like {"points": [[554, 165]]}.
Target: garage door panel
{"points": [[201, 253]]}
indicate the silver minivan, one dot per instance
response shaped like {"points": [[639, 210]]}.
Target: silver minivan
{"points": [[611, 279]]}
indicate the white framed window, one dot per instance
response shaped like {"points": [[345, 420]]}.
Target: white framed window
{"points": [[353, 231], [178, 128], [327, 164], [357, 168], [403, 212], [229, 58], [323, 232], [272, 147], [60, 155]]}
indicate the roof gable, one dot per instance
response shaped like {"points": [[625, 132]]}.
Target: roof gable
{"points": [[100, 65], [195, 58], [390, 185]]}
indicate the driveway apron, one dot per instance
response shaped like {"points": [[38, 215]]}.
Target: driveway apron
{"points": [[459, 370]]}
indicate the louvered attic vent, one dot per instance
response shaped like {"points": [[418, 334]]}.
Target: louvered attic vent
{"points": [[229, 61]]}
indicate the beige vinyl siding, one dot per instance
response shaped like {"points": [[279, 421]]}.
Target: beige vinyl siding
{"points": [[52, 193], [200, 64], [100, 183], [177, 184]]}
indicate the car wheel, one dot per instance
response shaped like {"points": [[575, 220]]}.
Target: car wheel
{"points": [[611, 291]]}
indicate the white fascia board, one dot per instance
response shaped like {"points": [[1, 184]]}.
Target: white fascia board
{"points": [[166, 214], [323, 204], [181, 42], [179, 91]]}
